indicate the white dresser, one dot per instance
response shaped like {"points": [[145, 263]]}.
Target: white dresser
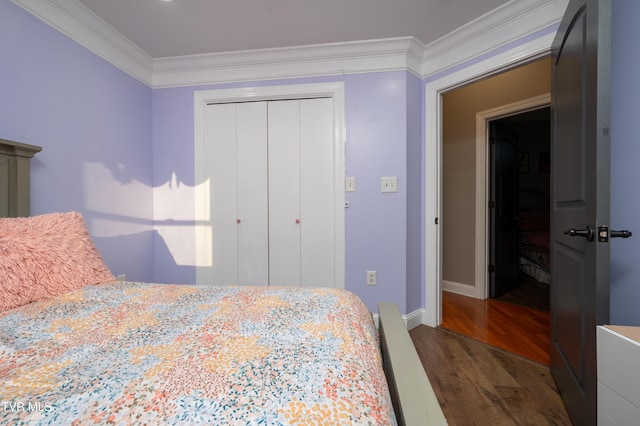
{"points": [[618, 375]]}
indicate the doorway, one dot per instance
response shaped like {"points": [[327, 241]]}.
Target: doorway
{"points": [[519, 225], [467, 113], [516, 319], [465, 161]]}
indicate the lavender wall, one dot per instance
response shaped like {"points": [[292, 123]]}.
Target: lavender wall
{"points": [[376, 224], [415, 194], [122, 155], [94, 124], [625, 152]]}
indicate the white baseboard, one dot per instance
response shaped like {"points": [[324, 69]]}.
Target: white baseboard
{"points": [[411, 320], [414, 319], [376, 320], [459, 288]]}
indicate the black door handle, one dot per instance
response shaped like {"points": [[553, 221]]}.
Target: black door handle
{"points": [[604, 233], [587, 233], [620, 234]]}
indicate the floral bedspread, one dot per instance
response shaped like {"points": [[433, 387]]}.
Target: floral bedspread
{"points": [[135, 353]]}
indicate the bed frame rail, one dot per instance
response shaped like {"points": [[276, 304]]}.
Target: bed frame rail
{"points": [[413, 398]]}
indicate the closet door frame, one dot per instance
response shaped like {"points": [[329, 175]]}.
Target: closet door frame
{"points": [[203, 224]]}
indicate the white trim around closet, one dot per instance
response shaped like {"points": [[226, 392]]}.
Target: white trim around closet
{"points": [[266, 93]]}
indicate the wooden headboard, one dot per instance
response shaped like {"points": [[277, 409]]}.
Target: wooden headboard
{"points": [[15, 160]]}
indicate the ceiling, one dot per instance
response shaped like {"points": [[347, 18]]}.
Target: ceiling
{"points": [[188, 27]]}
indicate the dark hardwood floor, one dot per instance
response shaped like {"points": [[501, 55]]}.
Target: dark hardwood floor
{"points": [[515, 328], [479, 384], [530, 293], [488, 362]]}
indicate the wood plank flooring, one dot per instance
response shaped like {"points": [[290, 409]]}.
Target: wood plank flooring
{"points": [[478, 384], [514, 328]]}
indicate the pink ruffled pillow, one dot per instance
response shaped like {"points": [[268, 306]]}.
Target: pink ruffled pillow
{"points": [[42, 257]]}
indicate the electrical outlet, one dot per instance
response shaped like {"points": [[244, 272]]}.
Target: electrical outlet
{"points": [[371, 277]]}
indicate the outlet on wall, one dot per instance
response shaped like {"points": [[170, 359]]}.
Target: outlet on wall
{"points": [[371, 277]]}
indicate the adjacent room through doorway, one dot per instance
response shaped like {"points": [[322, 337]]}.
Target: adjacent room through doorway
{"points": [[467, 305], [519, 266]]}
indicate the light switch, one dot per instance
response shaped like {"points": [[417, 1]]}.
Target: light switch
{"points": [[389, 184], [350, 184]]}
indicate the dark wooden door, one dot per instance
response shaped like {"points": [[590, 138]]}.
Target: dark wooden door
{"points": [[503, 212], [579, 200]]}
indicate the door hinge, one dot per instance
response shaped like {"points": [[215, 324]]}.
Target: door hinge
{"points": [[492, 204], [492, 269]]}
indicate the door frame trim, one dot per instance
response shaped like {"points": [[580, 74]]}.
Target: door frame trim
{"points": [[433, 90], [202, 98], [483, 180]]}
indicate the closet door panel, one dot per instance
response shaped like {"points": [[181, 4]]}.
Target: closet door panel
{"points": [[284, 192], [253, 226], [221, 154], [317, 192]]}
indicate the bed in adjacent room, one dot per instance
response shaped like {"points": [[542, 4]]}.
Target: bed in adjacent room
{"points": [[534, 247], [534, 226]]}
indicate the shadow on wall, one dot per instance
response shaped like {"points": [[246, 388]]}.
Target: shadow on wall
{"points": [[153, 243], [139, 243]]}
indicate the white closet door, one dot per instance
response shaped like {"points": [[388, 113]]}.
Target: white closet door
{"points": [[221, 153], [284, 193], [317, 192], [272, 192], [253, 218]]}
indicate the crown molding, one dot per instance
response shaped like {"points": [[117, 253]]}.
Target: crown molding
{"points": [[392, 54], [502, 26], [509, 23], [80, 24]]}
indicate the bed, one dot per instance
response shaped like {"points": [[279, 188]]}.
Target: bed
{"points": [[125, 352], [534, 225], [534, 247], [79, 347]]}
